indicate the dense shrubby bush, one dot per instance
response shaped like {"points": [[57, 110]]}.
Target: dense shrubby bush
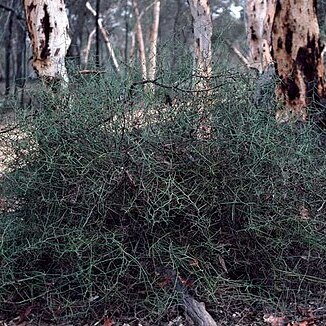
{"points": [[117, 192]]}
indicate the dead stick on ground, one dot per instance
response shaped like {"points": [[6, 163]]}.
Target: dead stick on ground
{"points": [[194, 309], [197, 312]]}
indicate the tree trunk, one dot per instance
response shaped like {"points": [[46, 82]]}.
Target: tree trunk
{"points": [[127, 27], [48, 26], [140, 41], [297, 52], [78, 10], [202, 29], [87, 50], [260, 14], [20, 75], [131, 53], [153, 41], [97, 27], [8, 52], [106, 38], [175, 33]]}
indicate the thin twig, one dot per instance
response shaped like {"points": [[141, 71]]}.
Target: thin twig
{"points": [[3, 131], [174, 87], [89, 71]]}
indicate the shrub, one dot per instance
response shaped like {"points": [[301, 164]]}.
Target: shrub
{"points": [[117, 193]]}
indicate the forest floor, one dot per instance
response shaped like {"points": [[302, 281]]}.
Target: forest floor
{"points": [[247, 316], [7, 121]]}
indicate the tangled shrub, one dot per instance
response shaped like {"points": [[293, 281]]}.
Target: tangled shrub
{"points": [[116, 194]]}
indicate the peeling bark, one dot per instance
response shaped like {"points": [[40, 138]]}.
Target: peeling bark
{"points": [[202, 31], [48, 28], [286, 32], [298, 54]]}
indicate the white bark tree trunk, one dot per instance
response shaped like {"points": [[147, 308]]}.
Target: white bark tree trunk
{"points": [[87, 50], [140, 41], [260, 15], [202, 29], [153, 38], [48, 26], [131, 53]]}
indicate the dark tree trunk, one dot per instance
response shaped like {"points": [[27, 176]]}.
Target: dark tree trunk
{"points": [[98, 4], [8, 52], [20, 75], [74, 50], [126, 54]]}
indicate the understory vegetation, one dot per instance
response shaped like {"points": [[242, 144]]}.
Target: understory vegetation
{"points": [[124, 200]]}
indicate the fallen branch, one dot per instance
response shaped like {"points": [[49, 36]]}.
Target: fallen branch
{"points": [[194, 309], [88, 47], [197, 312]]}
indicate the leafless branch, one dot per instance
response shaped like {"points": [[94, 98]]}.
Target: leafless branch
{"points": [[239, 54], [105, 36], [89, 72], [176, 87]]}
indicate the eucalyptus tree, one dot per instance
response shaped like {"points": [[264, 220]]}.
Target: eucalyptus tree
{"points": [[48, 27], [298, 54], [286, 33], [202, 44]]}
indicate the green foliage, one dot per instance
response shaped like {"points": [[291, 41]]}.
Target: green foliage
{"points": [[115, 193]]}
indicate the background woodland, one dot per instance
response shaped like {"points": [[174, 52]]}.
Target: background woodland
{"points": [[168, 198]]}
